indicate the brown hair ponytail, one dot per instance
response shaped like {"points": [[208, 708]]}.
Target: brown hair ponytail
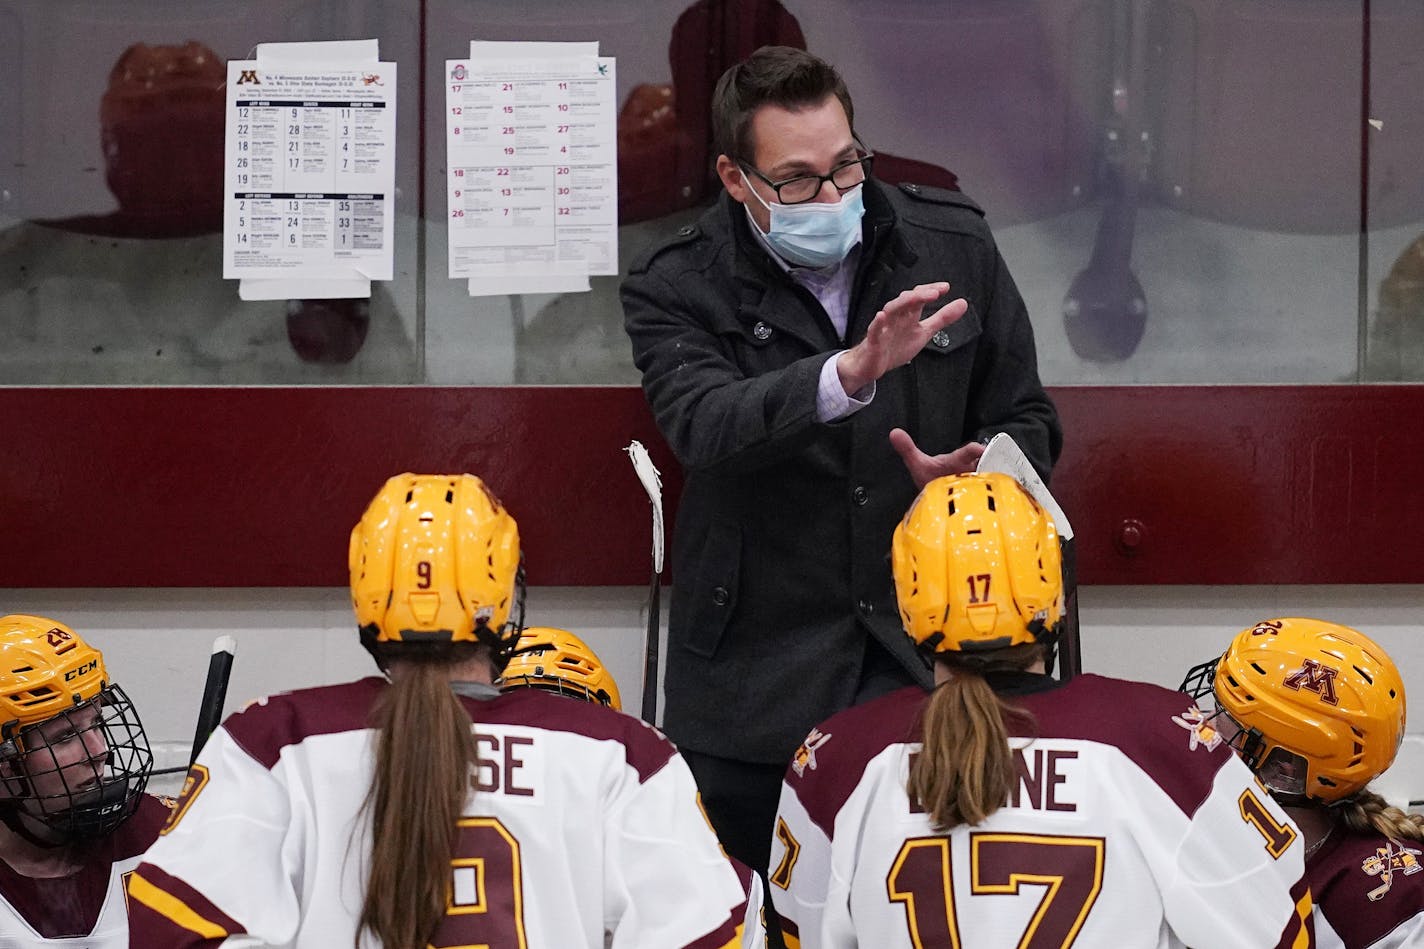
{"points": [[965, 770], [1365, 812], [425, 753]]}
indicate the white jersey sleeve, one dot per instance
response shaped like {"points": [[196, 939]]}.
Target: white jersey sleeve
{"points": [[1124, 829]]}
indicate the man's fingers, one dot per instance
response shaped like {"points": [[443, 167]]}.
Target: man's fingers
{"points": [[904, 445], [917, 298], [947, 314]]}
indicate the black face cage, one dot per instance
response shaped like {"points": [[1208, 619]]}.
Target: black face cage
{"points": [[1200, 681], [572, 690], [1200, 684], [503, 640], [86, 779]]}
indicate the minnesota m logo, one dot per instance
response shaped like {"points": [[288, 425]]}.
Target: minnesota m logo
{"points": [[248, 75], [1313, 677]]}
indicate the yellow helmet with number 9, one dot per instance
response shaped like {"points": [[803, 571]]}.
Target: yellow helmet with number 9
{"points": [[436, 559], [977, 566]]}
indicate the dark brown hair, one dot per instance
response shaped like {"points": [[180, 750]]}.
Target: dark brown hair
{"points": [[425, 759], [773, 75], [965, 770]]}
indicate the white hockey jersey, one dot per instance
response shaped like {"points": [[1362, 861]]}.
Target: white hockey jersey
{"points": [[584, 821], [85, 910], [1369, 892], [1132, 826]]}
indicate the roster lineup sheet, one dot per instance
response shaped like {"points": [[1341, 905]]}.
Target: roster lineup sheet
{"points": [[532, 183], [310, 196]]}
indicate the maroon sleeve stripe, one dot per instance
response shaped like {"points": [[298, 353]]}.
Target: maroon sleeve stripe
{"points": [[1300, 929], [163, 910]]}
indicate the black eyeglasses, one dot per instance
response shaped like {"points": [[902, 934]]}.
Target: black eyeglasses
{"points": [[804, 188]]}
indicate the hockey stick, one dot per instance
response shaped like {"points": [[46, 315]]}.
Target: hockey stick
{"points": [[1004, 455], [214, 692], [653, 484]]}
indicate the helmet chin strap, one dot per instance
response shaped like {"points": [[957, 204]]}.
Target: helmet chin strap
{"points": [[19, 822], [96, 817]]}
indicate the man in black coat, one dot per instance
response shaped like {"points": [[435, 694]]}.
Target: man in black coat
{"points": [[795, 364]]}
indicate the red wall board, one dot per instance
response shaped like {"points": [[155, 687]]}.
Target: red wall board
{"points": [[260, 486]]}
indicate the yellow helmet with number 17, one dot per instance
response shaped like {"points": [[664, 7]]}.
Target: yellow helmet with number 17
{"points": [[977, 566]]}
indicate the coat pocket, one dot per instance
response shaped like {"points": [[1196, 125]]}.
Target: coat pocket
{"points": [[714, 589]]}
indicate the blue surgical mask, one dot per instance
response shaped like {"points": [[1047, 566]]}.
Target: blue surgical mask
{"points": [[814, 234]]}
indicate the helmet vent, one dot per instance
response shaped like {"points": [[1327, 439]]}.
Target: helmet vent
{"points": [[449, 497], [1365, 675], [991, 499], [1325, 781], [410, 495], [1257, 667], [1359, 748], [974, 531], [951, 507], [19, 669], [1391, 693]]}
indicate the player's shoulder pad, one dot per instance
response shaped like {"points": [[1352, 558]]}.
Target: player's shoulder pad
{"points": [[687, 234], [942, 196]]}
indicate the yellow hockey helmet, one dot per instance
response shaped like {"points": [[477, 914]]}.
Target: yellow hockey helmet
{"points": [[74, 758], [45, 669], [556, 660], [1320, 706], [977, 566], [435, 559]]}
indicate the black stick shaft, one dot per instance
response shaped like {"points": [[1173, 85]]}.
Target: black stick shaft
{"points": [[214, 696], [651, 651]]}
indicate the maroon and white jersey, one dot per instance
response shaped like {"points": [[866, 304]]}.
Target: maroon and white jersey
{"points": [[85, 910], [1369, 892], [1132, 826], [584, 820]]}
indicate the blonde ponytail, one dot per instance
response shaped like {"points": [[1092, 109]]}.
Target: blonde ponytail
{"points": [[965, 770], [1366, 812]]}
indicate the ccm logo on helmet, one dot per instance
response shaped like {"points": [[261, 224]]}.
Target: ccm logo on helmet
{"points": [[88, 667], [1313, 677]]}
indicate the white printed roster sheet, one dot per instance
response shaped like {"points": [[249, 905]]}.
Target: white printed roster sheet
{"points": [[310, 178], [532, 167]]}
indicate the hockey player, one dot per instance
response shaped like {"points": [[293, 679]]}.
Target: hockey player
{"points": [[425, 808], [1006, 809], [1316, 709], [74, 762], [556, 660]]}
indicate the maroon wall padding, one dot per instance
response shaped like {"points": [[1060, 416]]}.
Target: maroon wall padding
{"points": [[260, 486]]}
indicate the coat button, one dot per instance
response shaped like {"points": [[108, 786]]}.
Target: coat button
{"points": [[913, 189], [866, 607], [940, 339], [720, 596], [687, 230], [860, 494], [761, 331]]}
